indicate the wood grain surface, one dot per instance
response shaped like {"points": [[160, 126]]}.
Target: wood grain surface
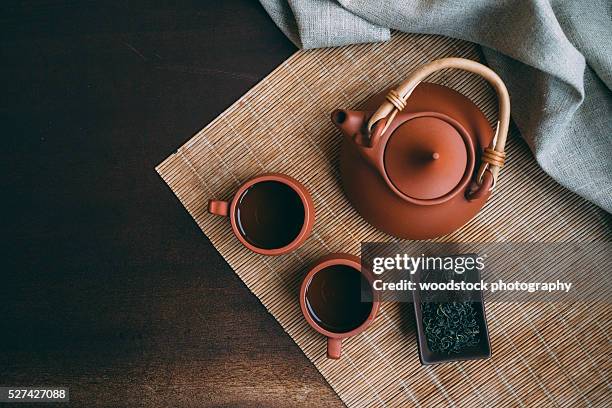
{"points": [[108, 286]]}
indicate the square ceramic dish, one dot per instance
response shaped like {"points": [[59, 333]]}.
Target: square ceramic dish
{"points": [[480, 351]]}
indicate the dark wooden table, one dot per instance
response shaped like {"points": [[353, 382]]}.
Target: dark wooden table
{"points": [[107, 285]]}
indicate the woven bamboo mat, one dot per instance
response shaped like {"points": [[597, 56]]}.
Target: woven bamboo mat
{"points": [[549, 354]]}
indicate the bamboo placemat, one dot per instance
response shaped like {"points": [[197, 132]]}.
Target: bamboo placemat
{"points": [[550, 354]]}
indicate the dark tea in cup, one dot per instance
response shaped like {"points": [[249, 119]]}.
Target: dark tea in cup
{"points": [[337, 299], [271, 214], [334, 298]]}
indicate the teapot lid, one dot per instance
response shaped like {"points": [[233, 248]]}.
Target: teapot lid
{"points": [[426, 157]]}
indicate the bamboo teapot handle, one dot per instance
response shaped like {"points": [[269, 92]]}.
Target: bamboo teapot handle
{"points": [[493, 157]]}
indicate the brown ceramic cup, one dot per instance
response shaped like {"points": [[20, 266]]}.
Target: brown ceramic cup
{"points": [[362, 320], [264, 204]]}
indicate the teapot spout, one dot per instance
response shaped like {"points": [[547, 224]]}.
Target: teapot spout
{"points": [[351, 123]]}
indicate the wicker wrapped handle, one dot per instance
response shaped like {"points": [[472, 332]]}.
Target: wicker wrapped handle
{"points": [[493, 157]]}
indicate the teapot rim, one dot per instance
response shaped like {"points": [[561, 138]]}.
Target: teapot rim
{"points": [[375, 154]]}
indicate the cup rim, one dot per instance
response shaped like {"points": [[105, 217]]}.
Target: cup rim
{"points": [[299, 189], [332, 260]]}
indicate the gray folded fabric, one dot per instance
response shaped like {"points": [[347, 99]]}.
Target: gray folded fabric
{"points": [[555, 57]]}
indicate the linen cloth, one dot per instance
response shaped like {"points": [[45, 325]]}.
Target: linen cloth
{"points": [[555, 57]]}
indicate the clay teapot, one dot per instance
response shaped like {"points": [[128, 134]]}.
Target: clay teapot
{"points": [[421, 161]]}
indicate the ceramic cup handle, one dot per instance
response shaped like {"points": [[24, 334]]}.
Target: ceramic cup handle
{"points": [[218, 207], [334, 348]]}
